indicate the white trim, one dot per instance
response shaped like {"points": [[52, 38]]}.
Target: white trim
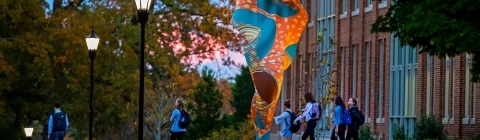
{"points": [[344, 15], [355, 12], [382, 4], [368, 8]]}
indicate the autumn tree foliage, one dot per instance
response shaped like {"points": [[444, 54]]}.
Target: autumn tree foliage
{"points": [[44, 58]]}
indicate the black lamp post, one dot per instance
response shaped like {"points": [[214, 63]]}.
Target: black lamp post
{"points": [[92, 44], [142, 10]]}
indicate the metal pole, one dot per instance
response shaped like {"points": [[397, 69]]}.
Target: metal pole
{"points": [[90, 121], [142, 17]]}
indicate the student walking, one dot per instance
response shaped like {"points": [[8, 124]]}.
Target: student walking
{"points": [[177, 133], [285, 120], [311, 113], [357, 119], [339, 127]]}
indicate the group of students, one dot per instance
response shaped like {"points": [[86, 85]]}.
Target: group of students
{"points": [[309, 113]]}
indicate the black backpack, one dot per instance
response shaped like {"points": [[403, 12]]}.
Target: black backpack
{"points": [[184, 119], [360, 116], [59, 121], [291, 126]]}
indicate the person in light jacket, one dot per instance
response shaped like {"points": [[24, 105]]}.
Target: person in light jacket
{"points": [[339, 127], [307, 113], [177, 132], [284, 120]]}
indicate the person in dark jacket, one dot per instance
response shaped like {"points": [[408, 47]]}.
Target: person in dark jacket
{"points": [[355, 125]]}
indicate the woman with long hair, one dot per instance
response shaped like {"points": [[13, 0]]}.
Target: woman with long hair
{"points": [[339, 130], [177, 132], [307, 113], [284, 120]]}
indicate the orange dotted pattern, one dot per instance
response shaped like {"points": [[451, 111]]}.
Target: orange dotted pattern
{"points": [[288, 32]]}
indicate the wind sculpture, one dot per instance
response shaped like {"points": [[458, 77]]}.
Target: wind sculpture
{"points": [[272, 29]]}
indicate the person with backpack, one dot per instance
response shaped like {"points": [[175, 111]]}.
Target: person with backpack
{"points": [[339, 120], [177, 132], [286, 121], [57, 124], [311, 113], [357, 119]]}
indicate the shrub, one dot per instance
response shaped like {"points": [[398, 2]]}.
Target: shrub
{"points": [[365, 133], [399, 132], [429, 127]]}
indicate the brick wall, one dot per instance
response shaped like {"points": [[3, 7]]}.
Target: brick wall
{"points": [[355, 31]]}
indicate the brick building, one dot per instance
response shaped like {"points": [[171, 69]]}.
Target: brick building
{"points": [[393, 84]]}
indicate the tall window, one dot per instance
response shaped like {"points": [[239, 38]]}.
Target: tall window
{"points": [[298, 83], [382, 4], [429, 84], [356, 5], [381, 48], [469, 94], [403, 77], [368, 6], [449, 98], [311, 9], [367, 77], [354, 69], [308, 73], [325, 24], [344, 13], [342, 87]]}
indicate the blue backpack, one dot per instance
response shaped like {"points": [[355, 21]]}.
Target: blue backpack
{"points": [[346, 117]]}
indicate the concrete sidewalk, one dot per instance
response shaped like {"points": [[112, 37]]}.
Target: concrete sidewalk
{"points": [[295, 137]]}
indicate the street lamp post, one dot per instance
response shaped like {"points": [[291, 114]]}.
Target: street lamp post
{"points": [[28, 132], [142, 11], [92, 44]]}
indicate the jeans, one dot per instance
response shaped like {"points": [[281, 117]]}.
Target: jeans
{"points": [[177, 135], [310, 131], [59, 135]]}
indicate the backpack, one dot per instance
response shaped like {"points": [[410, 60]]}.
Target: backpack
{"points": [[292, 126], [346, 117], [360, 116], [184, 119], [316, 111], [59, 122]]}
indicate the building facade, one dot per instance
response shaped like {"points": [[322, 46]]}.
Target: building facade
{"points": [[394, 84]]}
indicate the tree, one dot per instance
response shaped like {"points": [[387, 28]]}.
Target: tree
{"points": [[243, 91], [44, 59], [437, 27], [205, 109], [243, 131]]}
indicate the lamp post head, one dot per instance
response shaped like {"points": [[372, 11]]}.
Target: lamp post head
{"points": [[143, 5], [92, 41], [28, 131]]}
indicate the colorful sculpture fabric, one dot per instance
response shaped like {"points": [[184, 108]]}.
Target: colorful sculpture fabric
{"points": [[272, 29]]}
